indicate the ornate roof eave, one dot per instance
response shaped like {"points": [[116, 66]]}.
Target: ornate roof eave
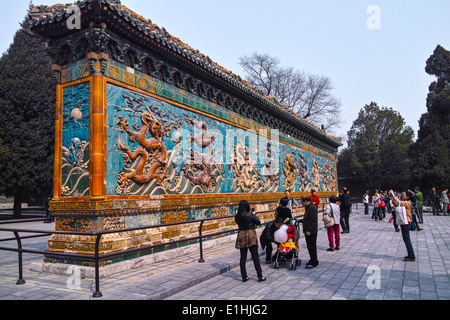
{"points": [[110, 14]]}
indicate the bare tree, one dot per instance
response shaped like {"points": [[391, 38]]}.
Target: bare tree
{"points": [[262, 71], [309, 95]]}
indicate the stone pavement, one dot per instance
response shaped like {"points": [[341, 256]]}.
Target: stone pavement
{"points": [[369, 266]]}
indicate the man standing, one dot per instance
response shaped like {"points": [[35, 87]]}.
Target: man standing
{"points": [[419, 203], [435, 202], [445, 201], [310, 229], [366, 202], [291, 201], [414, 210], [345, 207]]}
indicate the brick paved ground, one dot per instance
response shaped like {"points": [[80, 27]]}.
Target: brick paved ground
{"points": [[341, 274]]}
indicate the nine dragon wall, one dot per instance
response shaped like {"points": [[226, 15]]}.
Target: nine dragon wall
{"points": [[164, 141]]}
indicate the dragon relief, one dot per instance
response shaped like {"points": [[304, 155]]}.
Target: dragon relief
{"points": [[303, 173], [199, 170], [289, 169], [151, 155], [244, 170], [315, 174], [328, 184], [202, 175]]}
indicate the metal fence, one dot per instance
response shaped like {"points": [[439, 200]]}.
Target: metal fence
{"points": [[96, 257]]}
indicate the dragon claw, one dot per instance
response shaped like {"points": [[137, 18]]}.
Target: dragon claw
{"points": [[123, 122]]}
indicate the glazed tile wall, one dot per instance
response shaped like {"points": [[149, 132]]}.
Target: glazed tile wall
{"points": [[150, 143], [156, 161], [75, 141]]}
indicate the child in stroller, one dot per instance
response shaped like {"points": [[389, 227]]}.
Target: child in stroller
{"points": [[287, 236], [287, 247]]}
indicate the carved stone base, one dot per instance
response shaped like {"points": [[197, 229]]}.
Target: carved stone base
{"points": [[107, 270], [121, 241], [118, 215]]}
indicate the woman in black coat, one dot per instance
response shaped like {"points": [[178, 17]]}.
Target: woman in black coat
{"points": [[247, 238]]}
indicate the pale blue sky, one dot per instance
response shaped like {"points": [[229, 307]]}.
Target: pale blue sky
{"points": [[327, 37]]}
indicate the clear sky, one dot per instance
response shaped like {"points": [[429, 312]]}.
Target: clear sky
{"points": [[384, 63]]}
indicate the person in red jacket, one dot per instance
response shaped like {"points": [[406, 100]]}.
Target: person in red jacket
{"points": [[314, 199]]}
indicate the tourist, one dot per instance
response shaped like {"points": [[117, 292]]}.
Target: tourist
{"points": [[414, 210], [419, 202], [435, 202], [292, 203], [267, 237], [376, 206], [445, 202], [310, 229], [366, 201], [345, 207], [382, 206], [405, 202], [394, 220], [333, 210], [247, 239], [387, 202], [283, 211], [383, 195], [314, 198]]}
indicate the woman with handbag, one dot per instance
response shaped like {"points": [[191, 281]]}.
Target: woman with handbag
{"points": [[334, 212], [247, 239], [405, 228]]}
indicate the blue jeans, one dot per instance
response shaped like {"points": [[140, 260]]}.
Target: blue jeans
{"points": [[407, 241], [366, 208], [378, 213]]}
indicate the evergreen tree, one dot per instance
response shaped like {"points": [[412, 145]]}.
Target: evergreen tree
{"points": [[27, 113], [430, 165], [377, 149]]}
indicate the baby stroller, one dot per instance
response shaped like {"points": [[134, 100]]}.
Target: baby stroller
{"points": [[287, 253]]}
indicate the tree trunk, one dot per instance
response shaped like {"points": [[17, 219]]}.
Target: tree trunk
{"points": [[17, 207]]}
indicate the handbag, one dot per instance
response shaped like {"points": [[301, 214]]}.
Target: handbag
{"points": [[382, 204], [401, 218], [328, 220]]}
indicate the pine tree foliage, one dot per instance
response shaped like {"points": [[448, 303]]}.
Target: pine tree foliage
{"points": [[430, 164], [377, 149], [27, 113]]}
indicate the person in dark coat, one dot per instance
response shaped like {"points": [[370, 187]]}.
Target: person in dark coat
{"points": [[247, 239], [267, 237], [310, 229], [345, 207], [283, 209], [435, 202]]}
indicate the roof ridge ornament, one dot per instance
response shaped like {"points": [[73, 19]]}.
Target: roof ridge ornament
{"points": [[98, 12]]}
